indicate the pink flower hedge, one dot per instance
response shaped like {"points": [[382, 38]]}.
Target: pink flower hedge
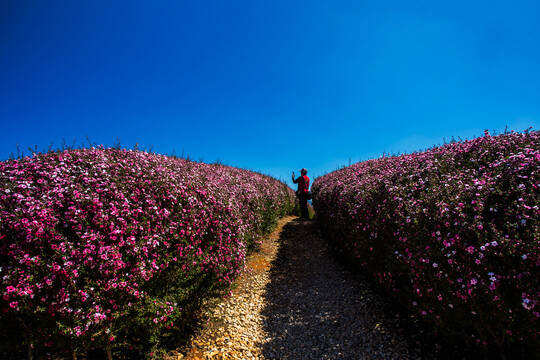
{"points": [[103, 247], [452, 232]]}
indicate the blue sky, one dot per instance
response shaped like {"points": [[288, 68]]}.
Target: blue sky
{"points": [[270, 86]]}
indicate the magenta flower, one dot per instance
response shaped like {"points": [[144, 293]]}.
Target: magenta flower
{"points": [[90, 237], [469, 208]]}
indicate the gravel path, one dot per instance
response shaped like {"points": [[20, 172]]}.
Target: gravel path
{"points": [[295, 302]]}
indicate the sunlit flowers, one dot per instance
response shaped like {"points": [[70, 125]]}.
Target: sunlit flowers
{"points": [[100, 245]]}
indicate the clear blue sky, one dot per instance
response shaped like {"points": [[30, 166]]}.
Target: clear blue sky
{"points": [[272, 86]]}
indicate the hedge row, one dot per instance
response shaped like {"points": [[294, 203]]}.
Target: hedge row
{"points": [[452, 232], [105, 248]]}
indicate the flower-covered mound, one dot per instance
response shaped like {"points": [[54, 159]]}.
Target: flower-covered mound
{"points": [[104, 248], [452, 232]]}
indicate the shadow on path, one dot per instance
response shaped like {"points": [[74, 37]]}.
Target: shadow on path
{"points": [[316, 310]]}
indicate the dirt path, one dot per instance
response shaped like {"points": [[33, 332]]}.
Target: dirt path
{"points": [[295, 302]]}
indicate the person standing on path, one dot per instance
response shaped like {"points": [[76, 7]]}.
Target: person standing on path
{"points": [[302, 192]]}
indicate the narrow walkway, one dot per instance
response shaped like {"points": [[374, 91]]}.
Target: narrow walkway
{"points": [[295, 302]]}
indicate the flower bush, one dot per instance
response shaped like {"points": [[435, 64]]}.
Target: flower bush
{"points": [[101, 248], [452, 232]]}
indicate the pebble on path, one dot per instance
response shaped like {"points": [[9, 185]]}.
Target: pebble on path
{"points": [[295, 302]]}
